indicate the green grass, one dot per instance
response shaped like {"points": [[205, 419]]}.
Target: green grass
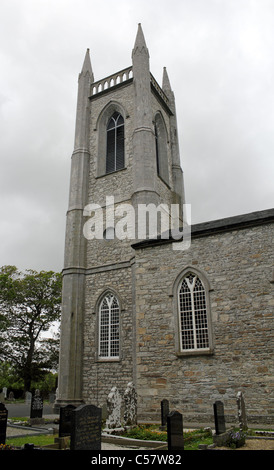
{"points": [[144, 432], [41, 440], [192, 439], [12, 420]]}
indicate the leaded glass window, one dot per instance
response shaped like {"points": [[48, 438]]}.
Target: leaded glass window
{"points": [[109, 327], [115, 143], [193, 319]]}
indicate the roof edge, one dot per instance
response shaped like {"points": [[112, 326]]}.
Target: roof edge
{"points": [[212, 227]]}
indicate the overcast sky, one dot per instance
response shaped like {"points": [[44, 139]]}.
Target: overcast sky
{"points": [[219, 56]]}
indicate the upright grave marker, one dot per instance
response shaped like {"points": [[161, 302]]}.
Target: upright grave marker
{"points": [[241, 412], [65, 420], [114, 403], [28, 397], [86, 428], [36, 409], [3, 423], [52, 397], [219, 417], [164, 412], [175, 438], [130, 399]]}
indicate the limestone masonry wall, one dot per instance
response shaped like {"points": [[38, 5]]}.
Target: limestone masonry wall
{"points": [[238, 266], [99, 376]]}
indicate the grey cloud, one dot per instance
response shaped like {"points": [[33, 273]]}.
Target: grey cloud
{"points": [[219, 57]]}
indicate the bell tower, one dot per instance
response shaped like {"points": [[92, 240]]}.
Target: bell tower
{"points": [[126, 153]]}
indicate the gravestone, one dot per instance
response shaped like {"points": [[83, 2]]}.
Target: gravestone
{"points": [[5, 391], [175, 438], [52, 397], [36, 409], [28, 446], [219, 417], [11, 396], [104, 412], [3, 423], [28, 397], [241, 412], [65, 421], [130, 400], [164, 412], [86, 428], [114, 403]]}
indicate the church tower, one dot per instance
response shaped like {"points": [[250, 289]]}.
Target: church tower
{"points": [[126, 154]]}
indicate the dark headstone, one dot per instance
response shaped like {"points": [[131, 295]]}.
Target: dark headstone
{"points": [[36, 407], [86, 428], [175, 436], [3, 423], [65, 420], [219, 417], [164, 411], [28, 446]]}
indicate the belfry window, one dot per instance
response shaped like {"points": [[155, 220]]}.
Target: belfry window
{"points": [[115, 158], [161, 148], [193, 315], [109, 327], [157, 150]]}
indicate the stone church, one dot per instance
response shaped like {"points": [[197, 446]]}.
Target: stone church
{"points": [[192, 325]]}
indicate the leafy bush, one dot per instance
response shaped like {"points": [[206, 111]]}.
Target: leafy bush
{"points": [[146, 433], [236, 439]]}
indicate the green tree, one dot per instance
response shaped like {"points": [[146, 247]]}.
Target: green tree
{"points": [[30, 303], [9, 378]]}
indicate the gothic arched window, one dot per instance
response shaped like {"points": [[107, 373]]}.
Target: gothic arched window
{"points": [[115, 158], [109, 327], [193, 314]]}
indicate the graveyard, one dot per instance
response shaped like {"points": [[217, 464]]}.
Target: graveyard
{"points": [[115, 426]]}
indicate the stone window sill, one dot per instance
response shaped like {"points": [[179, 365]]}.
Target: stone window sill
{"points": [[108, 359], [208, 352]]}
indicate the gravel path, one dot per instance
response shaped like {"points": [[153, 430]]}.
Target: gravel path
{"points": [[254, 444]]}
